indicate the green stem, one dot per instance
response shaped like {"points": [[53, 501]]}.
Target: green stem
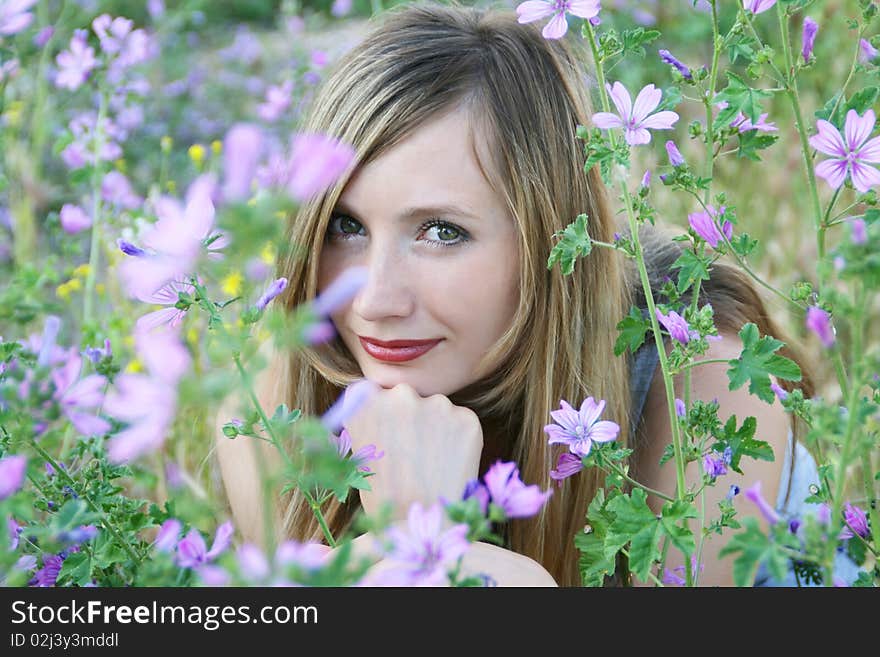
{"points": [[707, 361], [95, 244], [663, 496], [104, 520], [681, 484], [871, 495]]}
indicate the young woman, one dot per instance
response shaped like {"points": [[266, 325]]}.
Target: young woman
{"points": [[464, 125]]}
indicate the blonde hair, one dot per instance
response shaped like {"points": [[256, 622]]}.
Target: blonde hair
{"points": [[526, 96]]}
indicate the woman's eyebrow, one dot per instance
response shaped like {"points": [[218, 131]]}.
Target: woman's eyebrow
{"points": [[417, 212]]}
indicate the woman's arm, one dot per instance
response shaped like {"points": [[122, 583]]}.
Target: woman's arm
{"points": [[710, 382]]}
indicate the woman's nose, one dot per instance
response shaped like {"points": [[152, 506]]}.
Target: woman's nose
{"points": [[388, 291]]}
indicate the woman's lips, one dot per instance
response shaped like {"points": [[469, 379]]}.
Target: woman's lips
{"points": [[397, 351]]}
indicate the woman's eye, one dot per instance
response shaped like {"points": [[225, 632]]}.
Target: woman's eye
{"points": [[444, 234], [344, 226]]}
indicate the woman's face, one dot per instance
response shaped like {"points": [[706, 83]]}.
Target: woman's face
{"points": [[442, 255]]}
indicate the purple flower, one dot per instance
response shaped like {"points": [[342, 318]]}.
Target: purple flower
{"points": [[319, 332], [478, 491], [12, 471], [361, 457], [242, 149], [96, 354], [48, 574], [166, 537], [794, 525], [859, 231], [48, 350], [15, 531], [423, 553], [646, 180], [508, 492], [851, 151], [668, 58], [79, 398], [79, 535], [75, 64], [759, 6], [130, 249], [355, 395], [116, 189], [167, 295], [780, 392], [340, 8], [856, 521], [743, 124], [277, 101], [809, 38], [15, 16], [148, 404], [156, 9], [676, 576], [276, 288], [535, 10], [42, 37], [714, 466], [192, 551], [165, 356], [316, 162], [567, 465], [74, 219], [867, 52], [252, 563], [819, 322], [579, 429], [705, 225], [636, 118], [753, 494], [342, 290], [677, 326], [680, 408], [675, 157]]}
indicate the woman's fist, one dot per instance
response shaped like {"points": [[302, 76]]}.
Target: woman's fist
{"points": [[432, 448]]}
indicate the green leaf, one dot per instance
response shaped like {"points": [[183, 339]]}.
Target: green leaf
{"points": [[595, 563], [758, 362], [634, 523], [825, 113], [754, 548], [752, 141], [635, 39], [863, 100], [632, 329], [742, 442], [77, 567], [673, 518], [691, 267], [740, 97], [575, 242]]}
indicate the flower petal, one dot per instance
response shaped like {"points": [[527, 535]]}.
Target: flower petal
{"points": [[864, 176], [833, 171], [870, 152], [534, 10], [556, 28], [604, 431], [858, 128], [828, 139], [621, 99], [607, 120], [591, 410], [637, 136], [660, 121], [646, 102], [584, 8]]}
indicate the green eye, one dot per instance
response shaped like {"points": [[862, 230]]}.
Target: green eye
{"points": [[348, 225]]}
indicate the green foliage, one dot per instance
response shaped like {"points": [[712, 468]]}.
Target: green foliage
{"points": [[575, 242], [758, 362]]}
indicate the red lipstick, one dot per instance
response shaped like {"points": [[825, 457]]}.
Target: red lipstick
{"points": [[396, 351]]}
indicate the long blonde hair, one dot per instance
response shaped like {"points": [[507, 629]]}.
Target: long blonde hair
{"points": [[527, 96]]}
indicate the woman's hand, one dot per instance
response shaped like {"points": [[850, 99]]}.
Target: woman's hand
{"points": [[432, 448]]}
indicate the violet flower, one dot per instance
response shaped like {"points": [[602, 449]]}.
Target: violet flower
{"points": [[15, 531], [74, 219], [423, 553], [567, 465], [342, 290], [367, 453], [779, 391], [277, 101], [579, 429], [819, 322], [478, 491], [753, 494], [166, 537], [167, 295], [680, 408], [759, 6], [856, 522], [192, 551], [675, 157], [274, 289], [535, 10], [809, 38], [677, 326], [116, 189], [242, 149], [75, 64], [354, 396], [705, 225], [316, 162], [743, 124], [867, 52], [48, 574], [668, 58], [15, 16], [79, 399], [859, 231], [714, 466], [851, 152], [148, 404], [636, 119], [509, 493], [12, 471]]}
